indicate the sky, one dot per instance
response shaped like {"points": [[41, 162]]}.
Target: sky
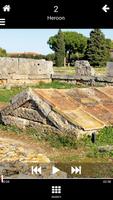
{"points": [[35, 40]]}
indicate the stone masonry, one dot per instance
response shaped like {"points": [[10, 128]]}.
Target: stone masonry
{"points": [[110, 69], [76, 111], [84, 68], [19, 71]]}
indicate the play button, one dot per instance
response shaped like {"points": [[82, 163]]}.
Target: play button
{"points": [[54, 170]]}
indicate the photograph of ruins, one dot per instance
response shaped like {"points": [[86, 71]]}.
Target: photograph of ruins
{"points": [[56, 106]]}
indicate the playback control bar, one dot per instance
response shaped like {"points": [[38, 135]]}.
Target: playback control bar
{"points": [[56, 13]]}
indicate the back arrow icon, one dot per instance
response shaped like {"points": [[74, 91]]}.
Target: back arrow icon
{"points": [[105, 8]]}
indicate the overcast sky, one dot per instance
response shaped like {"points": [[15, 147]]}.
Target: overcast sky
{"points": [[35, 40]]}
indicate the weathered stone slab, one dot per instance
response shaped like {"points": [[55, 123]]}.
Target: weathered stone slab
{"points": [[84, 68], [16, 121], [24, 66], [33, 67], [110, 69], [63, 77], [21, 70], [29, 114], [8, 66]]}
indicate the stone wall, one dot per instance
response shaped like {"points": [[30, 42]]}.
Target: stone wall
{"points": [[17, 71], [86, 80]]}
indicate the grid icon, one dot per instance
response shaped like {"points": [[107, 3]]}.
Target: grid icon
{"points": [[56, 189]]}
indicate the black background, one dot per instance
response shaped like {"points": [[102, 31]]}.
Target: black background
{"points": [[69, 188], [78, 14]]}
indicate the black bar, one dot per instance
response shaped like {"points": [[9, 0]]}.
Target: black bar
{"points": [[68, 187], [71, 14]]}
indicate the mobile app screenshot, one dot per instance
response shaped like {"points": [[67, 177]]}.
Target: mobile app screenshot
{"points": [[56, 96]]}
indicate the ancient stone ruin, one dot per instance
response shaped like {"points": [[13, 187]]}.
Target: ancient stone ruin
{"points": [[84, 68], [73, 111], [110, 69], [20, 71]]}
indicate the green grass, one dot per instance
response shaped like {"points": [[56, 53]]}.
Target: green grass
{"points": [[100, 70], [72, 70], [56, 141], [55, 85], [65, 70], [104, 138], [11, 129], [6, 95]]}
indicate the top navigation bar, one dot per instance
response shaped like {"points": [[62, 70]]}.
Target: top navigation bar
{"points": [[56, 13]]}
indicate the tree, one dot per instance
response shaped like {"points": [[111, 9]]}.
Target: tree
{"points": [[74, 43], [108, 48], [60, 49], [50, 56], [3, 52], [97, 51]]}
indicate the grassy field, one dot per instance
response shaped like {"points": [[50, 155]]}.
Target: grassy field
{"points": [[64, 70], [100, 71], [90, 149], [72, 70], [6, 95]]}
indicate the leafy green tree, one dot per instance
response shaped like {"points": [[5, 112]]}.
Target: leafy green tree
{"points": [[3, 52], [108, 48], [50, 56], [74, 43], [25, 55], [98, 48], [60, 49], [111, 43]]}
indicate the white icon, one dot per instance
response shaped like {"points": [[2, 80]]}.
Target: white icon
{"points": [[76, 170], [2, 21], [36, 170], [7, 8], [55, 170], [2, 179], [56, 190], [105, 8]]}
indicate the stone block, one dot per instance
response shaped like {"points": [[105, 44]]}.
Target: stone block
{"points": [[84, 68], [8, 66], [20, 71], [110, 69]]}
